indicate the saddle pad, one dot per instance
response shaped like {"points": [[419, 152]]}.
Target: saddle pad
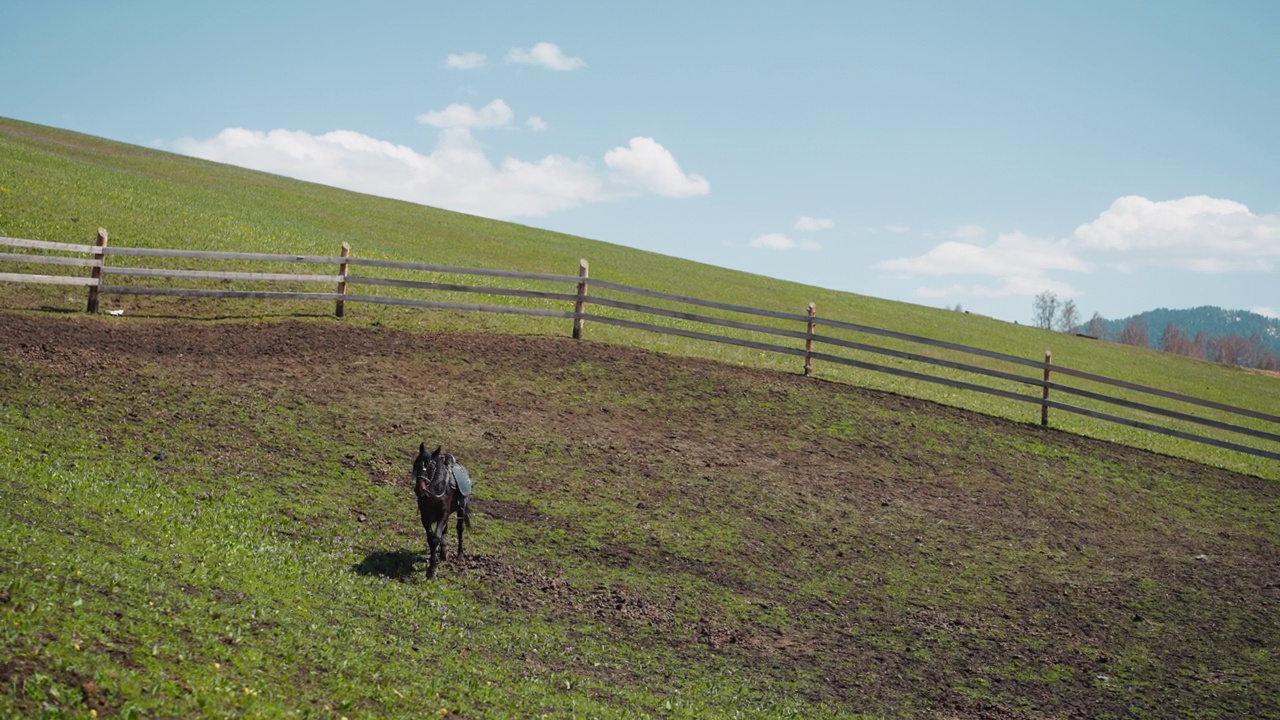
{"points": [[462, 478]]}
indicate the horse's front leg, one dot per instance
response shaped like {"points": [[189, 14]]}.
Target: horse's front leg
{"points": [[433, 547], [442, 537], [424, 512]]}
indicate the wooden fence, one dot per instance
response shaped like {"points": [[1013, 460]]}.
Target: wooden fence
{"points": [[803, 328]]}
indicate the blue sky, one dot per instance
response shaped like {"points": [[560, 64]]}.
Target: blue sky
{"points": [[1125, 155]]}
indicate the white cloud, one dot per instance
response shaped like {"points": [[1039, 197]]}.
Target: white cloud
{"points": [[457, 174], [1268, 312], [1020, 263], [495, 114], [466, 61], [1197, 233], [547, 55], [647, 166], [894, 229], [1013, 254], [536, 123], [779, 241], [807, 223], [1022, 286]]}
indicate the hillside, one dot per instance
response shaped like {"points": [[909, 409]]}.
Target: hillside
{"points": [[212, 518], [61, 186], [1210, 320], [204, 508]]}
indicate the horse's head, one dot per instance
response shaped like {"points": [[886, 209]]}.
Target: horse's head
{"points": [[429, 471]]}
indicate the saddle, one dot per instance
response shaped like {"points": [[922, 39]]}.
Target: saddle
{"points": [[460, 480]]}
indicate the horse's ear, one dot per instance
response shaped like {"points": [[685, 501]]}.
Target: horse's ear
{"points": [[437, 452], [422, 448]]}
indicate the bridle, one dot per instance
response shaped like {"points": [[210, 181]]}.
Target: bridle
{"points": [[431, 471]]}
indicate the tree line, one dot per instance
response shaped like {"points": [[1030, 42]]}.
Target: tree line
{"points": [[1051, 313]]}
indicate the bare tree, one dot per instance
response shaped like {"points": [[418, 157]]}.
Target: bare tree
{"points": [[1097, 326], [1135, 333], [1199, 347], [1241, 351], [1046, 310], [1068, 317], [1255, 352], [1229, 349], [1173, 340]]}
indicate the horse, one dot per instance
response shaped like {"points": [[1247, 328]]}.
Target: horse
{"points": [[443, 487]]}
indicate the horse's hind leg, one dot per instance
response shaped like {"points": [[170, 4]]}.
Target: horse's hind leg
{"points": [[461, 522]]}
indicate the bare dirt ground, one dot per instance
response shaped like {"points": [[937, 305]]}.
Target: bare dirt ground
{"points": [[917, 497]]}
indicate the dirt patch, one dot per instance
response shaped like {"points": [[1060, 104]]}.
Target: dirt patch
{"points": [[890, 547], [510, 511]]}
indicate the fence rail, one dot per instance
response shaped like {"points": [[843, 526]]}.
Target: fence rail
{"points": [[689, 312]]}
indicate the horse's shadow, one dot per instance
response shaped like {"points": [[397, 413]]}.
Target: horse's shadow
{"points": [[394, 564]]}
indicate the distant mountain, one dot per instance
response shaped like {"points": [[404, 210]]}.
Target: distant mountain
{"points": [[1208, 319]]}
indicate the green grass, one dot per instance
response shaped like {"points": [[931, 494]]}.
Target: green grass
{"points": [[233, 582], [172, 601], [218, 525]]}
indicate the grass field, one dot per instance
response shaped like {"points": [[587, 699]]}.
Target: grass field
{"points": [[214, 519], [209, 516]]}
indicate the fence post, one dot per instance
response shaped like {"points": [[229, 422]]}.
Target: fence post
{"points": [[582, 299], [1044, 405], [808, 341], [96, 273], [342, 284]]}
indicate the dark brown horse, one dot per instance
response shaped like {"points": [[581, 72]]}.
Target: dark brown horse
{"points": [[443, 487]]}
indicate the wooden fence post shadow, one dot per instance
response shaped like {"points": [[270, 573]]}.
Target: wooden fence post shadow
{"points": [[808, 341], [581, 303], [341, 308], [1044, 396], [96, 272]]}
